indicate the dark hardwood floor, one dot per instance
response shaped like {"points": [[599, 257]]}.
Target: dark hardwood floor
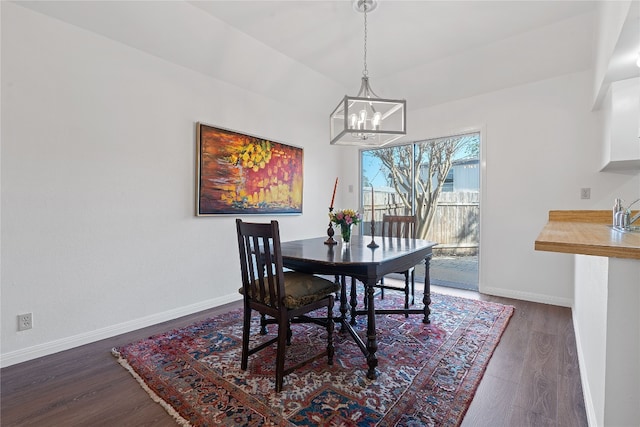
{"points": [[532, 378]]}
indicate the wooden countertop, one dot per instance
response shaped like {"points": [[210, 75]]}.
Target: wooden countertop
{"points": [[587, 233]]}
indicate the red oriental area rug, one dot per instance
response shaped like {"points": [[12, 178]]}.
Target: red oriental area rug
{"points": [[427, 374]]}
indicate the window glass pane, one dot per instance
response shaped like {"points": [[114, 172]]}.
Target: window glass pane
{"points": [[447, 190], [389, 173]]}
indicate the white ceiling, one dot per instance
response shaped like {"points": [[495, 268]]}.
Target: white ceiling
{"points": [[427, 52], [328, 36]]}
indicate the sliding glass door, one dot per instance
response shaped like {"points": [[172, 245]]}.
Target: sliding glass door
{"points": [[438, 181]]}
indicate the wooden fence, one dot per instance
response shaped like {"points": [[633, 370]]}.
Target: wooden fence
{"points": [[455, 226]]}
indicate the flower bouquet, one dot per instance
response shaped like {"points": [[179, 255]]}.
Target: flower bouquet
{"points": [[345, 219]]}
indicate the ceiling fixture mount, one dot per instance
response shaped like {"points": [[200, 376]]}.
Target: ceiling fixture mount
{"points": [[366, 119]]}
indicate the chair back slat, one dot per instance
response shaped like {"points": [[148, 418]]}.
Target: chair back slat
{"points": [[400, 226], [261, 262]]}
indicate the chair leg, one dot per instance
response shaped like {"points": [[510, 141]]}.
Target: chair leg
{"points": [[381, 289], [413, 286], [289, 333], [406, 293], [330, 326], [283, 326], [246, 330], [263, 324]]}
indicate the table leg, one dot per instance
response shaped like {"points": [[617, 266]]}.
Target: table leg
{"points": [[343, 302], [353, 301], [426, 300], [372, 344]]}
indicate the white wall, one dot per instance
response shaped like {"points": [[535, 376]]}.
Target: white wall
{"points": [[607, 321], [98, 228], [622, 385], [590, 325], [611, 20]]}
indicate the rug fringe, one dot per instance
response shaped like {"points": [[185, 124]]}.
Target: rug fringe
{"points": [[175, 414]]}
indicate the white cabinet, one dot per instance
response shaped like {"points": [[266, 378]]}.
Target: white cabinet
{"points": [[621, 149]]}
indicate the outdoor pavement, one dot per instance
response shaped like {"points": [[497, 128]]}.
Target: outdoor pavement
{"points": [[453, 271]]}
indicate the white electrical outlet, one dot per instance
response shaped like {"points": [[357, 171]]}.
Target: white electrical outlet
{"points": [[585, 193], [25, 321]]}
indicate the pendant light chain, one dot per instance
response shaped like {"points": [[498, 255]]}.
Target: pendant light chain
{"points": [[365, 72]]}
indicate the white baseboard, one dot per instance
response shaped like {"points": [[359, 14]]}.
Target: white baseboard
{"points": [[527, 296], [586, 389], [67, 343]]}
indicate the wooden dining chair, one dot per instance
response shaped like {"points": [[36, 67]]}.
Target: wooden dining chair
{"points": [[400, 226], [280, 297]]}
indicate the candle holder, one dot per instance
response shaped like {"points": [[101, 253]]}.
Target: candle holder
{"points": [[330, 230], [373, 243]]}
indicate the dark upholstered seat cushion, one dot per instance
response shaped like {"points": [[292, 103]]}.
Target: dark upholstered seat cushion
{"points": [[302, 289]]}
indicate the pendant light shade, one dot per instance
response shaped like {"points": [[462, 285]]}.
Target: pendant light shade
{"points": [[366, 119]]}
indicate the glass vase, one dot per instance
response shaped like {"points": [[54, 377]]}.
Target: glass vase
{"points": [[345, 230]]}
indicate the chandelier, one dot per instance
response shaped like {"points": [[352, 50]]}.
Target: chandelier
{"points": [[366, 119]]}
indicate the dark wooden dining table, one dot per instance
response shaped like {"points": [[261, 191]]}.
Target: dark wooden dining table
{"points": [[368, 265]]}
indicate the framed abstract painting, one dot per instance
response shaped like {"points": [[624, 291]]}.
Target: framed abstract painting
{"points": [[241, 174]]}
